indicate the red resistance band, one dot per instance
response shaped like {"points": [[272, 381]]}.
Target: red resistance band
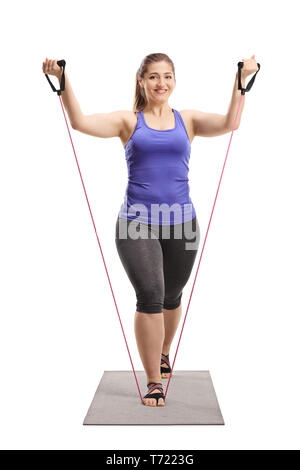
{"points": [[62, 64]]}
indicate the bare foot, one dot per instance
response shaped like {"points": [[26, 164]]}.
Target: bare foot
{"points": [[154, 388]]}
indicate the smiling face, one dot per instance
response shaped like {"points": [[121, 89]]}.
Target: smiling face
{"points": [[158, 82]]}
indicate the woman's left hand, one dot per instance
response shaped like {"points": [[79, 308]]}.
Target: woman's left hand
{"points": [[249, 66]]}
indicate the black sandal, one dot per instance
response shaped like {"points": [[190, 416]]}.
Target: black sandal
{"points": [[152, 386], [165, 360]]}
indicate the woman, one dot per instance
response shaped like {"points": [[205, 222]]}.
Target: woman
{"points": [[157, 231]]}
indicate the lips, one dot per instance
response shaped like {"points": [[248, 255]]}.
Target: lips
{"points": [[160, 90]]}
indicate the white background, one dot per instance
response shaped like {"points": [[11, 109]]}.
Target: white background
{"points": [[59, 325]]}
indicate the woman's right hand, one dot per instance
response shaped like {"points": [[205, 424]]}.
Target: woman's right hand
{"points": [[50, 67]]}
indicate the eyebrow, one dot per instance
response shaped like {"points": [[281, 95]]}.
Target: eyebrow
{"points": [[158, 73]]}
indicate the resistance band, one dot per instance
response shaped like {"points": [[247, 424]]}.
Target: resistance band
{"points": [[62, 63]]}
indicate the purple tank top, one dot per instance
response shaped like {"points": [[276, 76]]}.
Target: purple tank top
{"points": [[158, 165]]}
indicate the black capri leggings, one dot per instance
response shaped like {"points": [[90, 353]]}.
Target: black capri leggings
{"points": [[158, 260]]}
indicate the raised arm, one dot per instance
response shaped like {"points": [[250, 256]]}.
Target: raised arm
{"points": [[97, 125], [212, 124], [209, 124], [101, 124]]}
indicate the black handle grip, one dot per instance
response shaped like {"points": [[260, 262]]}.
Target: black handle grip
{"points": [[248, 87], [60, 63]]}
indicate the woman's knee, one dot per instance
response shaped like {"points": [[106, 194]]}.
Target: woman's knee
{"points": [[172, 302], [150, 300], [149, 306]]}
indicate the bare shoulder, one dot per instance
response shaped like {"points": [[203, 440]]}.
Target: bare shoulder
{"points": [[186, 112], [125, 117], [207, 124], [129, 121], [187, 116], [129, 117]]}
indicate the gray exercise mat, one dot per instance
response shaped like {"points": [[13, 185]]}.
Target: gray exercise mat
{"points": [[191, 399]]}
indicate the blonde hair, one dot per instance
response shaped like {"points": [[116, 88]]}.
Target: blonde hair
{"points": [[140, 100]]}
